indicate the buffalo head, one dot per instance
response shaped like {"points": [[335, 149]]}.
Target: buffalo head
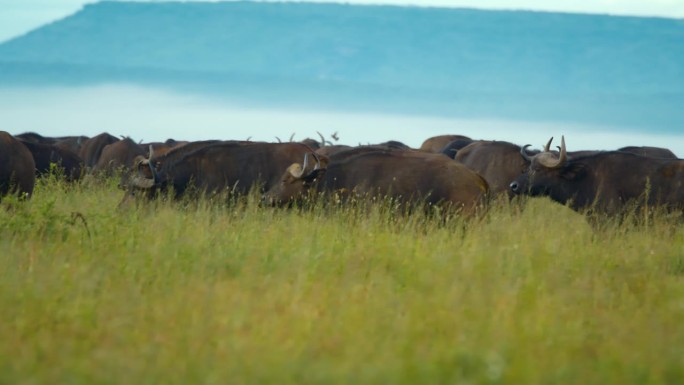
{"points": [[143, 175], [549, 173], [296, 180]]}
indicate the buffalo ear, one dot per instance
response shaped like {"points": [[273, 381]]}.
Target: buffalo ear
{"points": [[574, 171]]}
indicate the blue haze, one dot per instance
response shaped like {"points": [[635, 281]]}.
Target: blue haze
{"points": [[622, 74]]}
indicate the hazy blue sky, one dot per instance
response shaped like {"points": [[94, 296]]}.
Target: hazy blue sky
{"points": [[20, 16], [150, 115]]}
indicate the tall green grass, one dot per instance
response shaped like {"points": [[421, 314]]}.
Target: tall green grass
{"points": [[216, 293]]}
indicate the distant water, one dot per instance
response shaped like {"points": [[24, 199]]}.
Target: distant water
{"points": [[151, 115]]}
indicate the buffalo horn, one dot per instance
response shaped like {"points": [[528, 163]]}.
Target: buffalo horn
{"points": [[547, 148], [151, 164], [322, 139], [306, 161], [549, 161], [523, 152], [563, 157], [318, 161]]}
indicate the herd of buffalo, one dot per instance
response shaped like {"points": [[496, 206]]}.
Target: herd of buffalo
{"points": [[448, 170]]}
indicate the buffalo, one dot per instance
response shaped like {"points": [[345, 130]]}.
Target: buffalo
{"points": [[212, 167], [34, 137], [161, 148], [71, 143], [335, 148], [394, 145], [92, 148], [17, 167], [313, 143], [118, 155], [498, 162], [604, 182], [435, 144], [453, 147], [47, 155], [408, 177]]}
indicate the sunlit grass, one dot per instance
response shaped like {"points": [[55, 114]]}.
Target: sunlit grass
{"points": [[236, 293]]}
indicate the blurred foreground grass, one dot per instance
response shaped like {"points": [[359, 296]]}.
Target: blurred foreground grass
{"points": [[208, 293]]}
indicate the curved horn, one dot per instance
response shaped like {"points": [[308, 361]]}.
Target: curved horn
{"points": [[306, 161], [292, 137], [547, 148], [523, 152], [318, 161], [549, 161], [322, 139], [279, 141], [150, 155], [563, 157], [150, 163]]}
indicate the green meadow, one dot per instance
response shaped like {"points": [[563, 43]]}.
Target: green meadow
{"points": [[210, 292]]}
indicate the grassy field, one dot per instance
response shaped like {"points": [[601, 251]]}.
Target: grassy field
{"points": [[170, 293]]}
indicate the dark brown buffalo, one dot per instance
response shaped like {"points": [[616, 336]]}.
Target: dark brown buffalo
{"points": [[46, 154], [406, 176], [312, 143], [604, 181], [17, 168], [335, 148], [234, 167], [497, 161], [653, 152], [71, 143], [329, 150], [358, 150], [435, 144], [92, 148], [161, 148], [34, 137], [118, 155], [393, 145], [454, 147]]}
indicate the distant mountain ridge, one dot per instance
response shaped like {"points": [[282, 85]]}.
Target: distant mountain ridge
{"points": [[611, 70]]}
